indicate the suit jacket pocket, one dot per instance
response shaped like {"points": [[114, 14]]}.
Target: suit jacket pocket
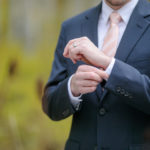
{"points": [[72, 145], [139, 147]]}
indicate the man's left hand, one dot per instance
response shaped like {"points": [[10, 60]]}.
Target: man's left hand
{"points": [[83, 49]]}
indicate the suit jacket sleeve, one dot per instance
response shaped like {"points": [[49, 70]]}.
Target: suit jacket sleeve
{"points": [[56, 102], [132, 86]]}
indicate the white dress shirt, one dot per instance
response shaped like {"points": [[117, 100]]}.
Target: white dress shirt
{"points": [[103, 25]]}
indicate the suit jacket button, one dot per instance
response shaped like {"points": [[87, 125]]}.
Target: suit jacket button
{"points": [[122, 91], [102, 111], [126, 94], [118, 89]]}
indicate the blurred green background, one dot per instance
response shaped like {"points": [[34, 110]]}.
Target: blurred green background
{"points": [[28, 35]]}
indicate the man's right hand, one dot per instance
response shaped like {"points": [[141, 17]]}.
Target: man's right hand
{"points": [[86, 79]]}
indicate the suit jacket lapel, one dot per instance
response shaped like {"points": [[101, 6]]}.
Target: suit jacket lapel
{"points": [[89, 26], [89, 29], [135, 29]]}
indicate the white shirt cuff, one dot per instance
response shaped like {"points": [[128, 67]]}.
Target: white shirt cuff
{"points": [[75, 101], [110, 67]]}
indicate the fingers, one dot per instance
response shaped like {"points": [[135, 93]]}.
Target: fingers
{"points": [[70, 47], [89, 83], [82, 49], [80, 84], [86, 79], [99, 72], [66, 50], [85, 90], [92, 76]]}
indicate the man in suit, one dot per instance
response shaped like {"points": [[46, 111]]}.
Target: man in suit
{"points": [[101, 75]]}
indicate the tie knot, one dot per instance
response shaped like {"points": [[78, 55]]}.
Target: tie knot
{"points": [[115, 18]]}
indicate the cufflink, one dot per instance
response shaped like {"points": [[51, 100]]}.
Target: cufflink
{"points": [[78, 106]]}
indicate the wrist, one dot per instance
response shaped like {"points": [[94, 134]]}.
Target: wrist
{"points": [[107, 62], [104, 62]]}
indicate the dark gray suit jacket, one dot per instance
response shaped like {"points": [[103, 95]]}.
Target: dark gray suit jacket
{"points": [[119, 117]]}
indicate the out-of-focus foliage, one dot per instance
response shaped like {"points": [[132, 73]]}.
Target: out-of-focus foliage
{"points": [[23, 125], [28, 34]]}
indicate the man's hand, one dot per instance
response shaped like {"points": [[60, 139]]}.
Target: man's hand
{"points": [[83, 49], [86, 79]]}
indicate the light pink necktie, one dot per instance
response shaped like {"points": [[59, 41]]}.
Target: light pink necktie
{"points": [[111, 39]]}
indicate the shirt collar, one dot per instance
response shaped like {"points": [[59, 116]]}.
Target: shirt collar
{"points": [[125, 12]]}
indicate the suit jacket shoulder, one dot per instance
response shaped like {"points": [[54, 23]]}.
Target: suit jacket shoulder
{"points": [[78, 19]]}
